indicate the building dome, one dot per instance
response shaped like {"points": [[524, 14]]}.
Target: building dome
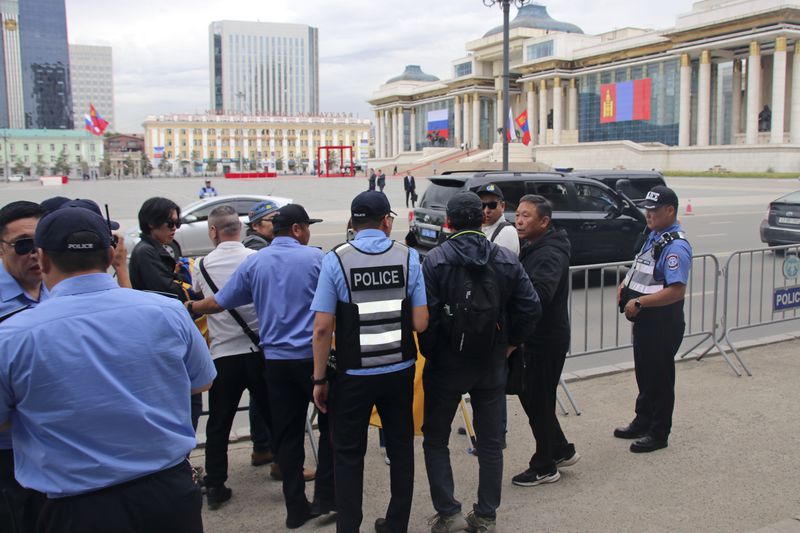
{"points": [[535, 16], [413, 73]]}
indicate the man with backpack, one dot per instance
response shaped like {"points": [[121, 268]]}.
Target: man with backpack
{"points": [[495, 226], [482, 306]]}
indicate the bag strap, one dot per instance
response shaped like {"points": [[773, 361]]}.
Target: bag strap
{"points": [[498, 229], [236, 316]]}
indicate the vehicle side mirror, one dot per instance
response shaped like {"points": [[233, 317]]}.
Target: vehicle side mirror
{"points": [[623, 186], [189, 219]]}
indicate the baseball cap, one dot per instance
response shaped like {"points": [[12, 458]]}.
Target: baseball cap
{"points": [[51, 204], [91, 205], [659, 196], [490, 188], [75, 229], [370, 204], [260, 210], [291, 214], [465, 203]]}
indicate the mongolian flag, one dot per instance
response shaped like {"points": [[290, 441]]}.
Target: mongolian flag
{"points": [[625, 101], [522, 122], [94, 122]]}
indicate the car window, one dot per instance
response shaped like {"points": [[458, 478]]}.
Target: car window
{"points": [[437, 196], [557, 193], [243, 206], [593, 198], [202, 212], [512, 192]]}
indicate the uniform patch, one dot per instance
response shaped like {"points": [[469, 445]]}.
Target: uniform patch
{"points": [[673, 262], [377, 278]]}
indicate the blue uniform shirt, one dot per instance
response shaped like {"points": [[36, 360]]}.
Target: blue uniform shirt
{"points": [[675, 262], [12, 298], [96, 382], [332, 286], [280, 281]]}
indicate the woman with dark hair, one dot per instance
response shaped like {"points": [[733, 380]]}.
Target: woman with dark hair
{"points": [[154, 260]]}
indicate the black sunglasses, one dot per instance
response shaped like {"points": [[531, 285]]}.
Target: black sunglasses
{"points": [[22, 246], [490, 205], [172, 224]]}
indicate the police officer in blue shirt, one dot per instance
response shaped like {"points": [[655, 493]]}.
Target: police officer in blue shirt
{"points": [[207, 191], [103, 434], [651, 296], [280, 281], [21, 288], [371, 292]]}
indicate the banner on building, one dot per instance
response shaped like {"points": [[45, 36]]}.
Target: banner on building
{"points": [[625, 101], [158, 152], [437, 124]]}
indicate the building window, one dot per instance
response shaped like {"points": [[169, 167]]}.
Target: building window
{"points": [[25, 147], [91, 148], [77, 159], [539, 50], [169, 131], [464, 69], [52, 147], [25, 158], [77, 146], [92, 159], [52, 159]]}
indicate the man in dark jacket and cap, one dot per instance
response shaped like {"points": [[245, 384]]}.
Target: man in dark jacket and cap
{"points": [[463, 272], [545, 257]]}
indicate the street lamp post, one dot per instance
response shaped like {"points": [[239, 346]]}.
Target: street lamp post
{"points": [[505, 6]]}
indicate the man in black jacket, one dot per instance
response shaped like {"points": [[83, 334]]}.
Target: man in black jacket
{"points": [[449, 374], [410, 186], [545, 257]]}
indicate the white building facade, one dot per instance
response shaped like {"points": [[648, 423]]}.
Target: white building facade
{"points": [[264, 68], [92, 78]]}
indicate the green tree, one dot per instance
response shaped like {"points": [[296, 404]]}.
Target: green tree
{"points": [[62, 166], [128, 166], [105, 164], [164, 165], [211, 165], [252, 165], [147, 166], [84, 166], [278, 163], [20, 168], [41, 168]]}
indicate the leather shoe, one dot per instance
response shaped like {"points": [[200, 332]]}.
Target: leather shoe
{"points": [[382, 526], [319, 507], [629, 432], [293, 522], [648, 443], [261, 458]]}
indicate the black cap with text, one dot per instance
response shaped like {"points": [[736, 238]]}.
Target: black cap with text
{"points": [[291, 214], [370, 204], [658, 197], [73, 229]]}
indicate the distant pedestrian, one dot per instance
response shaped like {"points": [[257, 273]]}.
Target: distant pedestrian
{"points": [[381, 180], [410, 187], [372, 179], [207, 191], [395, 171], [545, 257], [482, 306]]}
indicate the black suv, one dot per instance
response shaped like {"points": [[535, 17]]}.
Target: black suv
{"points": [[635, 184], [603, 225]]}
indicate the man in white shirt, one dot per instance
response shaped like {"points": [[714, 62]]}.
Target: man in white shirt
{"points": [[234, 348], [495, 226]]}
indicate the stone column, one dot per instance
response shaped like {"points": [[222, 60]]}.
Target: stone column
{"points": [[378, 135], [531, 103], [558, 96], [795, 120], [457, 121], [720, 96], [736, 100], [399, 137], [543, 112], [778, 91], [685, 121], [476, 121], [385, 133], [753, 93], [704, 100], [499, 120], [392, 130], [572, 121], [465, 120], [413, 130]]}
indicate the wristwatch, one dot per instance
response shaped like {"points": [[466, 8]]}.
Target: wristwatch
{"points": [[190, 306], [322, 381], [637, 303]]}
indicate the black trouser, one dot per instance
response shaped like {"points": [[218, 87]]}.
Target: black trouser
{"points": [[260, 434], [410, 194], [289, 385], [19, 507], [656, 340], [352, 399], [235, 373], [164, 502], [542, 375], [444, 386]]}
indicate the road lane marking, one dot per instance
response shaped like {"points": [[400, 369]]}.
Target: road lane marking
{"points": [[711, 235]]}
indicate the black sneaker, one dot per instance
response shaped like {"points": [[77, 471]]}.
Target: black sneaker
{"points": [[561, 462], [530, 478], [217, 496]]}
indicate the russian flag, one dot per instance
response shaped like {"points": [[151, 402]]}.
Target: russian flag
{"points": [[511, 131], [93, 122], [438, 123]]}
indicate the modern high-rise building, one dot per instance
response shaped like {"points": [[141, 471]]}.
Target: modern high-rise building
{"points": [[44, 55], [92, 75], [263, 68]]}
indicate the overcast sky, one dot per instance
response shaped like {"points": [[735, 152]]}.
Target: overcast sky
{"points": [[161, 48]]}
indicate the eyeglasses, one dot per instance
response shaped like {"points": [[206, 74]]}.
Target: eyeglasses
{"points": [[22, 246], [490, 205], [173, 223]]}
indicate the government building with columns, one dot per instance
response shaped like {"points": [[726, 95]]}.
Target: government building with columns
{"points": [[718, 90]]}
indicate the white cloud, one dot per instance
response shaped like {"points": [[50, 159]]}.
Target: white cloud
{"points": [[161, 48]]}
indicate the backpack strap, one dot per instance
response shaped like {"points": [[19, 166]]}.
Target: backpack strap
{"points": [[498, 229], [235, 314]]}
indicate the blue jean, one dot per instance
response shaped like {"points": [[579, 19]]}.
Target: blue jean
{"points": [[444, 385]]}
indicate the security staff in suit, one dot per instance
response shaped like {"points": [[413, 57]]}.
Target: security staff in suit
{"points": [[651, 296], [372, 294]]}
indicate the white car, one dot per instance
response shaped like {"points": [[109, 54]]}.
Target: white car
{"points": [[192, 236], [16, 177]]}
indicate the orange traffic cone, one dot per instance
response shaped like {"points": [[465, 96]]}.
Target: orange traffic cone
{"points": [[689, 207]]}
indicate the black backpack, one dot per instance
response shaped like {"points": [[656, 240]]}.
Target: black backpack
{"points": [[473, 310]]}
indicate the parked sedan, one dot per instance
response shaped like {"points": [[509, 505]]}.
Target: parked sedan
{"points": [[192, 236], [782, 223]]}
